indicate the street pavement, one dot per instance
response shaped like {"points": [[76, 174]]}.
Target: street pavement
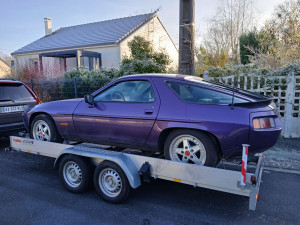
{"points": [[31, 193]]}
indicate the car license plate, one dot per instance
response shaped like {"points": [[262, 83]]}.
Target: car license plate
{"points": [[9, 109]]}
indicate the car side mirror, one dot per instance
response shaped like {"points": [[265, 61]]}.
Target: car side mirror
{"points": [[89, 99]]}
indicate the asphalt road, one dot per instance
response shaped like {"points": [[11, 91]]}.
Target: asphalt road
{"points": [[31, 193]]}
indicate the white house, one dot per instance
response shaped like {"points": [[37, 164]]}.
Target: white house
{"points": [[92, 45], [5, 69]]}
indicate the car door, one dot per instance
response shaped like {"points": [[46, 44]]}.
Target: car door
{"points": [[124, 113]]}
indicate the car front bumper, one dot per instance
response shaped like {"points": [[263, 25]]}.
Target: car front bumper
{"points": [[12, 128]]}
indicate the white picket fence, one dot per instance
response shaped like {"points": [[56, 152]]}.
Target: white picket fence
{"points": [[286, 92]]}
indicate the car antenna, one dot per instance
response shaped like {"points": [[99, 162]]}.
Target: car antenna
{"points": [[232, 103]]}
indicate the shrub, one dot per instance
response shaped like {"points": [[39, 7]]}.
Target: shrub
{"points": [[250, 69], [143, 58], [87, 81]]}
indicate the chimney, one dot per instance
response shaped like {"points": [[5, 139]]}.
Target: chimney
{"points": [[48, 26]]}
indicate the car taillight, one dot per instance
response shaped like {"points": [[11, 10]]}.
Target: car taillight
{"points": [[32, 93], [263, 123]]}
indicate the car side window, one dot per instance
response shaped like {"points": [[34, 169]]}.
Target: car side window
{"points": [[198, 95], [128, 91]]}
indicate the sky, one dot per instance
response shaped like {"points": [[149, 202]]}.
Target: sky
{"points": [[21, 21]]}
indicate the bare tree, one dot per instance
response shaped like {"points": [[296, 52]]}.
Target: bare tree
{"points": [[279, 39], [233, 18]]}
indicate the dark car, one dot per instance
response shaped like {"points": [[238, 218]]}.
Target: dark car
{"points": [[15, 98], [188, 119]]}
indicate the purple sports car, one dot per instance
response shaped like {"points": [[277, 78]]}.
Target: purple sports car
{"points": [[190, 120]]}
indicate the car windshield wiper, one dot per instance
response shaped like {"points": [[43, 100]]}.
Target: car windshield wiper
{"points": [[7, 100]]}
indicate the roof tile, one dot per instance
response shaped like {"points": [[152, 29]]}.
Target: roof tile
{"points": [[97, 33]]}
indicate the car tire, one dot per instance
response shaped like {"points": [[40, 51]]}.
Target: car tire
{"points": [[75, 174], [191, 146], [49, 133], [111, 182]]}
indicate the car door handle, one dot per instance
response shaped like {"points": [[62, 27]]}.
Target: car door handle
{"points": [[148, 111]]}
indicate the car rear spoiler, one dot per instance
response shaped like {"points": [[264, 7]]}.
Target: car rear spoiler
{"points": [[263, 102]]}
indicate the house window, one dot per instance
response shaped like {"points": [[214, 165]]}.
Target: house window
{"points": [[33, 63]]}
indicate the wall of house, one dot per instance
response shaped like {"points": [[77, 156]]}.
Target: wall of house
{"points": [[4, 69], [109, 54], [154, 32], [54, 67]]}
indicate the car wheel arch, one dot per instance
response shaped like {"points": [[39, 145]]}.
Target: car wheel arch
{"points": [[36, 114], [164, 134]]}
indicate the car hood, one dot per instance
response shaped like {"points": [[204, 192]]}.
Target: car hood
{"points": [[57, 107]]}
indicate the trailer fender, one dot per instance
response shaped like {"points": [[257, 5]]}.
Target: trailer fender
{"points": [[98, 156]]}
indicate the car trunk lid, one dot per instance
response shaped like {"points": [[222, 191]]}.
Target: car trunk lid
{"points": [[14, 100]]}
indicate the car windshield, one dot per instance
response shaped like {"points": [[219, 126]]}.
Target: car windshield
{"points": [[14, 92]]}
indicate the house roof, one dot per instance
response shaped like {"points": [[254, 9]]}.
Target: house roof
{"points": [[90, 34]]}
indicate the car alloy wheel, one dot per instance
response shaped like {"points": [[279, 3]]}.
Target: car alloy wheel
{"points": [[187, 149], [41, 131]]}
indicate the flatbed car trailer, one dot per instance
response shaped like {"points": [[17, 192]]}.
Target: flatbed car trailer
{"points": [[115, 173]]}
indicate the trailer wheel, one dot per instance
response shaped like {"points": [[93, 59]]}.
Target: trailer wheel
{"points": [[111, 182], [75, 174]]}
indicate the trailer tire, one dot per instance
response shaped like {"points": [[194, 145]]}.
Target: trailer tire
{"points": [[111, 182], [75, 174], [191, 146]]}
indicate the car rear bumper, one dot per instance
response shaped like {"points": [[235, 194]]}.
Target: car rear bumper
{"points": [[262, 139], [12, 128]]}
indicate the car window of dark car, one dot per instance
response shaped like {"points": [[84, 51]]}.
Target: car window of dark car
{"points": [[128, 91], [14, 92], [199, 95]]}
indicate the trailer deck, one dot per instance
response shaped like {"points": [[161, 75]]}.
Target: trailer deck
{"points": [[139, 167]]}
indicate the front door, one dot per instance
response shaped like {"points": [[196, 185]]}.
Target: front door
{"points": [[123, 113]]}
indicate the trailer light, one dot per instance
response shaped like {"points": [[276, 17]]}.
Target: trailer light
{"points": [[253, 179], [177, 180], [263, 123]]}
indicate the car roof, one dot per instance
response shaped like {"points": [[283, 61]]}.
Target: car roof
{"points": [[175, 76], [198, 80], [10, 81]]}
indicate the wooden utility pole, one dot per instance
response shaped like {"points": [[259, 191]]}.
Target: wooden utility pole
{"points": [[186, 36]]}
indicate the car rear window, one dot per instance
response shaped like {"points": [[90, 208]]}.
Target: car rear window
{"points": [[14, 92], [199, 95]]}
